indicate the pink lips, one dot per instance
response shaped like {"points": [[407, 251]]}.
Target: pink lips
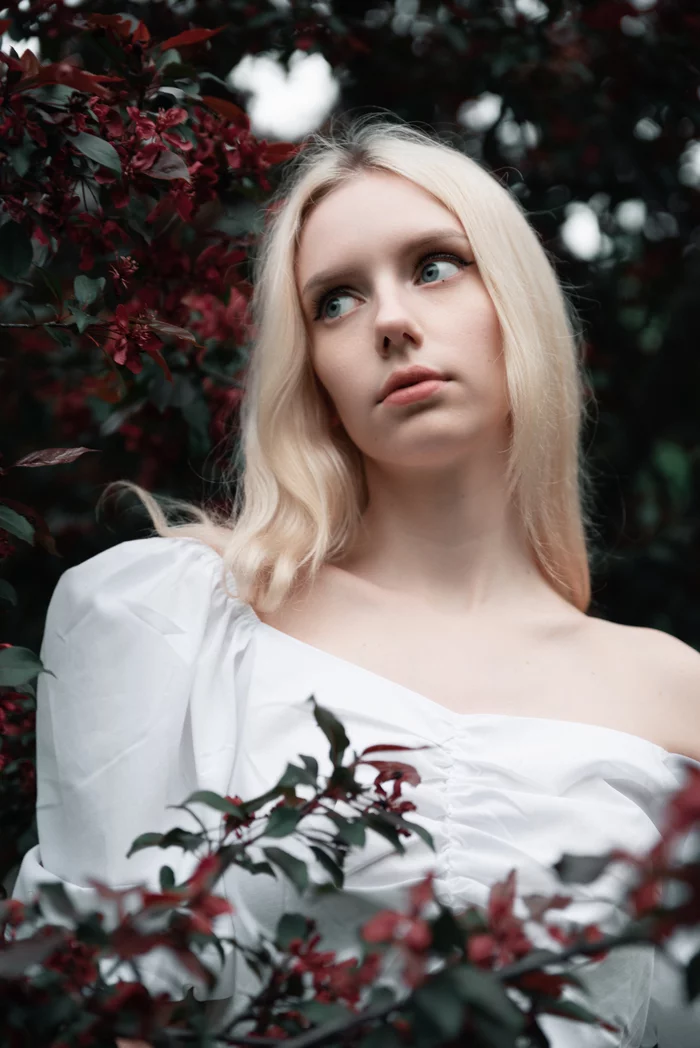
{"points": [[418, 391], [408, 376]]}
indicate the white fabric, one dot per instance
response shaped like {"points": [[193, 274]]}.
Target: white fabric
{"points": [[165, 684]]}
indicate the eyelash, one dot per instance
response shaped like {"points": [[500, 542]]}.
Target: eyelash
{"points": [[323, 297]]}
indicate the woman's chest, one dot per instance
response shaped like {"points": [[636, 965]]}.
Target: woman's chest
{"points": [[574, 669]]}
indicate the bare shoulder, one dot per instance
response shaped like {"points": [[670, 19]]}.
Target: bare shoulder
{"points": [[673, 669], [670, 655]]}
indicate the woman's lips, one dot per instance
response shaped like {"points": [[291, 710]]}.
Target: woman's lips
{"points": [[418, 391]]}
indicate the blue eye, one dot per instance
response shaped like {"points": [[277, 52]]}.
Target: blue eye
{"points": [[339, 292]]}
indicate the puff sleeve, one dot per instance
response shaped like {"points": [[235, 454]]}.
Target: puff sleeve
{"points": [[119, 735]]}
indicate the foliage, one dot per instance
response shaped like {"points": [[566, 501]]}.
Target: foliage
{"points": [[130, 201], [456, 966], [132, 196]]}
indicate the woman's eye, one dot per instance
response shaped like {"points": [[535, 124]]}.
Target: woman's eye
{"points": [[451, 260], [327, 300], [429, 262]]}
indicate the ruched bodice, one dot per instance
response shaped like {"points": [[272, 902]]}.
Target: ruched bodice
{"points": [[166, 684]]}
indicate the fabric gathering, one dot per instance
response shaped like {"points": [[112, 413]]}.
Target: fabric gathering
{"points": [[163, 684]]}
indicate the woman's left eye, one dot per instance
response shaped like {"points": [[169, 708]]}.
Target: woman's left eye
{"points": [[427, 260], [432, 260]]}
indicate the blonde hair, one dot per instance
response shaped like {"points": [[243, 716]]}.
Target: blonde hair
{"points": [[301, 491]]}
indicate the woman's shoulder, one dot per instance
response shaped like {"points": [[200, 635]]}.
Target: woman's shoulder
{"points": [[132, 557], [168, 582]]}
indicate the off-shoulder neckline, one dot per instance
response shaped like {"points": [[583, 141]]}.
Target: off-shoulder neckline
{"points": [[437, 708], [431, 705]]}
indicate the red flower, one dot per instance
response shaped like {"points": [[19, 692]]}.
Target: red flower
{"points": [[232, 822], [76, 961], [382, 926], [129, 336]]}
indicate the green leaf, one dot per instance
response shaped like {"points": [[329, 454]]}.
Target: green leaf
{"points": [[19, 665], [197, 417], [87, 290], [399, 821], [179, 838], [439, 1003], [491, 1031], [376, 823], [166, 57], [320, 1012], [97, 149], [330, 865], [447, 933], [82, 320], [570, 1009], [581, 869], [483, 990], [311, 764], [216, 801], [674, 463], [167, 878], [64, 338], [333, 730], [381, 1037], [692, 978], [381, 997], [59, 900], [20, 157], [176, 837], [295, 776], [352, 831], [144, 840], [261, 867], [169, 165], [290, 926], [457, 38], [8, 593], [262, 20], [282, 821], [15, 251], [293, 868]]}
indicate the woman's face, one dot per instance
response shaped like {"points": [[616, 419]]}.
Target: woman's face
{"points": [[387, 303]]}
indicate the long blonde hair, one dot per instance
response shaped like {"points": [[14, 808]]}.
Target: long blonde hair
{"points": [[299, 488]]}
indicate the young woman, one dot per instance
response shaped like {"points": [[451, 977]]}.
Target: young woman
{"points": [[416, 560]]}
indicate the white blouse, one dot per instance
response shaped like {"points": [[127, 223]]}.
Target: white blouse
{"points": [[164, 684]]}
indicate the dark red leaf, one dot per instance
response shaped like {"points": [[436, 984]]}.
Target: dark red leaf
{"points": [[5, 24], [190, 36], [67, 73], [17, 956], [52, 456], [171, 329], [11, 63], [30, 63], [160, 361], [141, 34], [42, 535], [395, 769], [276, 152], [169, 165], [118, 23], [379, 747], [109, 387], [233, 113]]}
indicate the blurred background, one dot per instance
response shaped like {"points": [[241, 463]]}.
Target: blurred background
{"points": [[130, 206]]}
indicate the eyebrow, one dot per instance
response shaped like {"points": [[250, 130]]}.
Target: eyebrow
{"points": [[330, 276]]}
